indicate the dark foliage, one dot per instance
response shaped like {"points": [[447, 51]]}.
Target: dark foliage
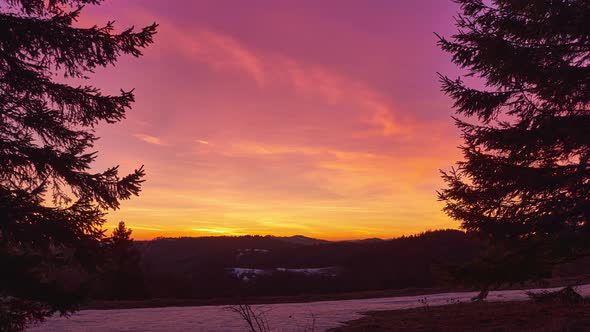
{"points": [[524, 184], [51, 204], [120, 277], [566, 295]]}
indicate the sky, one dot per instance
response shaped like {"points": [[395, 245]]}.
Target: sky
{"points": [[320, 118]]}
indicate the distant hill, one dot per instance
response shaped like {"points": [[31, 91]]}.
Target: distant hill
{"points": [[302, 240], [295, 239], [369, 240], [267, 265]]}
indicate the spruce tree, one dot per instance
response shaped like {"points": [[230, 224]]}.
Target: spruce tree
{"points": [[122, 277], [52, 203], [524, 182]]}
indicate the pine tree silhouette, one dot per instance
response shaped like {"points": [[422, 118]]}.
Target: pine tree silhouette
{"points": [[52, 205], [122, 276], [524, 183]]}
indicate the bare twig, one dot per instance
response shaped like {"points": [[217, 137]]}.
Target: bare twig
{"points": [[256, 319]]}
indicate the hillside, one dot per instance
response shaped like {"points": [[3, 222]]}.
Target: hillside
{"points": [[266, 265]]}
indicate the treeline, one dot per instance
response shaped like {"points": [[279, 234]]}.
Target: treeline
{"points": [[210, 267]]}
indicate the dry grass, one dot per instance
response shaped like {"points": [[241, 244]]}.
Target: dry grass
{"points": [[257, 321], [255, 318], [495, 316]]}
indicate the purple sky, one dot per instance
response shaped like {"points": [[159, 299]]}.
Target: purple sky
{"points": [[322, 118]]}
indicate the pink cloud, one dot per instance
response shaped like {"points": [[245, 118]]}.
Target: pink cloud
{"points": [[222, 52], [150, 139]]}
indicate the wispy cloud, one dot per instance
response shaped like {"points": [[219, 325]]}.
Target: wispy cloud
{"points": [[218, 231], [150, 139], [143, 228], [219, 51], [381, 115], [222, 52]]}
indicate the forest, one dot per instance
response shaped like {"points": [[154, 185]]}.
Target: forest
{"points": [[250, 266]]}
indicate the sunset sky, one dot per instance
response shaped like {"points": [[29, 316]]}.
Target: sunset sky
{"points": [[320, 118]]}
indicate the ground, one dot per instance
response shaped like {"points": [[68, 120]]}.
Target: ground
{"points": [[495, 316], [156, 303]]}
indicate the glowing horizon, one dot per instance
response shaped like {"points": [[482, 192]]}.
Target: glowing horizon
{"points": [[324, 120]]}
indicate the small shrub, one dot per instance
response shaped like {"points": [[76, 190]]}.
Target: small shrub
{"points": [[566, 295]]}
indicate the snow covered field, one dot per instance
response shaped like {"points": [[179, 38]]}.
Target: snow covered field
{"points": [[286, 317]]}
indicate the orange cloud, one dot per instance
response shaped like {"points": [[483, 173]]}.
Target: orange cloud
{"points": [[382, 116], [337, 89], [150, 139], [218, 231]]}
